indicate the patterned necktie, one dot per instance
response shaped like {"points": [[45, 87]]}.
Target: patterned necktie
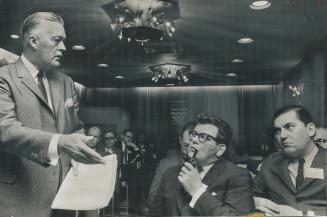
{"points": [[300, 175], [41, 85]]}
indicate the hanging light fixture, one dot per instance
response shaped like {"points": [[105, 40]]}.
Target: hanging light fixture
{"points": [[170, 73], [143, 20]]}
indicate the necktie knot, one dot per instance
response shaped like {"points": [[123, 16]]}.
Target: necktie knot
{"points": [[301, 161]]}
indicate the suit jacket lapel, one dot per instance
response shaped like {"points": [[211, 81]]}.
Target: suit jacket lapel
{"points": [[285, 175], [319, 161], [214, 172], [28, 81], [55, 90]]}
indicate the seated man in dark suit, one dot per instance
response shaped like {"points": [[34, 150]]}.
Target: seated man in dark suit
{"points": [[293, 181], [212, 187]]}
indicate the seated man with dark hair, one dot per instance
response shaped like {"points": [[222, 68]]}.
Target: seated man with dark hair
{"points": [[209, 185], [292, 182]]}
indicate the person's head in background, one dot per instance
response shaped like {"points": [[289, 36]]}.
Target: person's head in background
{"points": [[294, 127], [141, 138], [127, 136], [96, 133], [184, 137], [109, 139], [43, 36], [321, 137], [210, 137], [277, 143]]}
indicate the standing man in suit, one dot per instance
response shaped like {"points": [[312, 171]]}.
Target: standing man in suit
{"points": [[292, 182], [215, 187], [39, 128], [130, 173]]}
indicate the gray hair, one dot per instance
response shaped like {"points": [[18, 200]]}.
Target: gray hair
{"points": [[35, 19]]}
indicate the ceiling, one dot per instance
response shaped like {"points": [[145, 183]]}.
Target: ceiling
{"points": [[206, 38]]}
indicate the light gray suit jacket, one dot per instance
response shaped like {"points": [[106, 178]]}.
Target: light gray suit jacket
{"points": [[28, 183]]}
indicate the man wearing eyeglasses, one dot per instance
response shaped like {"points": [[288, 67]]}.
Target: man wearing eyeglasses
{"points": [[321, 137], [212, 186]]}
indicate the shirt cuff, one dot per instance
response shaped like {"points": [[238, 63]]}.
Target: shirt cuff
{"points": [[53, 150], [308, 213], [198, 194]]}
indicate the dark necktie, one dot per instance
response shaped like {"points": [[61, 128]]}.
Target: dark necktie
{"points": [[300, 175], [126, 154], [41, 85]]}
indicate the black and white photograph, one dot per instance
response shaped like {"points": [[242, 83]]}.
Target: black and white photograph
{"points": [[154, 108]]}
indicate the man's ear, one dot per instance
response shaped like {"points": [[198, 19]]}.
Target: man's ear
{"points": [[180, 140], [221, 148], [311, 128], [32, 40]]}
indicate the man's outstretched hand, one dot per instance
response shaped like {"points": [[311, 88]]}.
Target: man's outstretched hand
{"points": [[75, 145]]}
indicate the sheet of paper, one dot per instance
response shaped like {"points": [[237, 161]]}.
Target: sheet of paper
{"points": [[91, 189]]}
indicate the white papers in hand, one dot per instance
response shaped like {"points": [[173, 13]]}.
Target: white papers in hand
{"points": [[91, 189]]}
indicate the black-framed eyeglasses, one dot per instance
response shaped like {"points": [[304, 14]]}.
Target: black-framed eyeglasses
{"points": [[319, 141], [109, 137], [203, 137]]}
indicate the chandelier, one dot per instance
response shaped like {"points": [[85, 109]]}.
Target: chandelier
{"points": [[143, 20], [170, 73]]}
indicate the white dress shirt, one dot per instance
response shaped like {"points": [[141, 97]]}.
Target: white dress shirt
{"points": [[294, 165], [203, 188]]}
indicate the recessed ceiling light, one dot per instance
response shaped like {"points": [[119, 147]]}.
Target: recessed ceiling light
{"points": [[245, 40], [259, 5], [14, 36], [103, 65], [78, 47], [119, 77], [231, 75], [237, 61]]}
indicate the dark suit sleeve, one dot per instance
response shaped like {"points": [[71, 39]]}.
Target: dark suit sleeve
{"points": [[258, 186], [157, 204], [155, 183], [17, 138], [237, 200]]}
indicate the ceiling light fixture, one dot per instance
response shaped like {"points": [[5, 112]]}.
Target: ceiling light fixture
{"points": [[170, 73], [103, 65], [231, 75], [245, 40], [237, 61], [143, 20], [259, 5], [78, 47], [119, 77], [14, 36]]}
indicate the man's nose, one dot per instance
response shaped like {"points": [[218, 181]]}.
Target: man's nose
{"points": [[62, 46], [283, 134]]}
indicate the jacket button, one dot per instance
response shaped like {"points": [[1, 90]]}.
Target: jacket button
{"points": [[298, 200]]}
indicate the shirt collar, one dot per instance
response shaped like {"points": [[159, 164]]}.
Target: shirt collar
{"points": [[205, 170], [308, 158], [30, 67]]}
